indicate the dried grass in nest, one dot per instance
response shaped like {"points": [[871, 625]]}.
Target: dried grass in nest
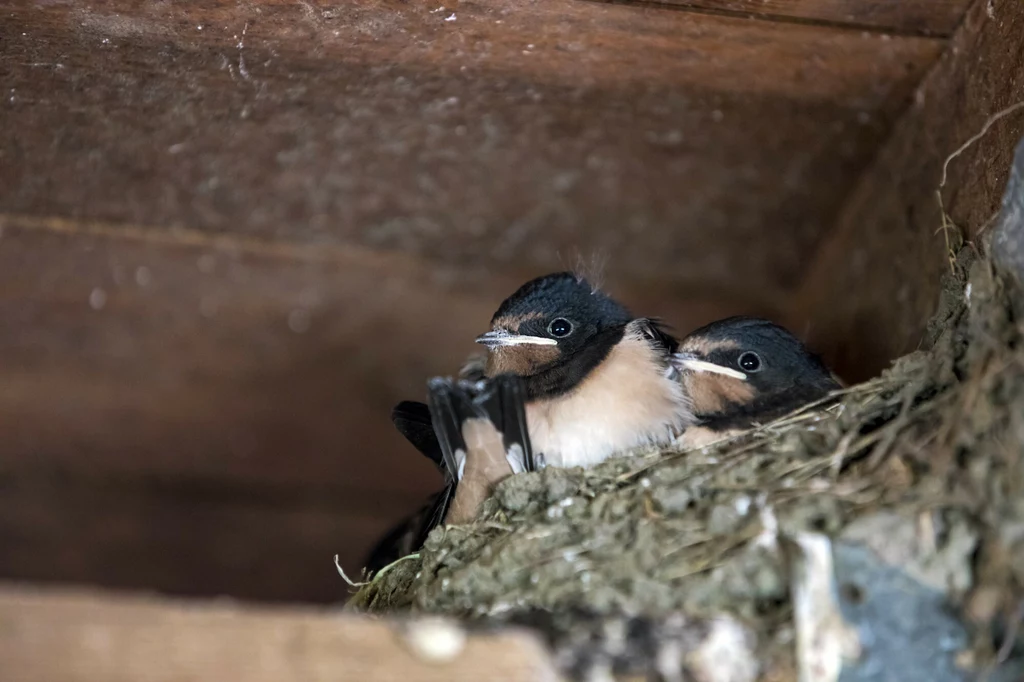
{"points": [[923, 465]]}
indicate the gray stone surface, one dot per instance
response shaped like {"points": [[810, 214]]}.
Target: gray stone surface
{"points": [[1008, 236]]}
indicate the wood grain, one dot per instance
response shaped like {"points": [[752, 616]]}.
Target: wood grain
{"points": [[193, 537], [882, 267], [513, 136], [924, 17], [60, 636]]}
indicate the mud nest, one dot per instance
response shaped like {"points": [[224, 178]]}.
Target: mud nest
{"points": [[922, 467]]}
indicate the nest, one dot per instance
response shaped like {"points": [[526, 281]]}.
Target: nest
{"points": [[922, 466]]}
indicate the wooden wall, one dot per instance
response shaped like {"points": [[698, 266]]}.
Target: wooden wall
{"points": [[232, 235], [875, 282]]}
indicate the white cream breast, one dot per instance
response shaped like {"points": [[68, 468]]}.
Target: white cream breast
{"points": [[630, 400]]}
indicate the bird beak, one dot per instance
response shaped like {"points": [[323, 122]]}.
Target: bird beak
{"points": [[503, 338], [688, 361]]}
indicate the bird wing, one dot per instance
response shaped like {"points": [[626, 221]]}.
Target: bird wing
{"points": [[412, 419], [482, 431], [474, 430]]}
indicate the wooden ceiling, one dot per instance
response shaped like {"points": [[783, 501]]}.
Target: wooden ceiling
{"points": [[235, 233]]}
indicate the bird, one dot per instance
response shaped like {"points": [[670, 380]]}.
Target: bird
{"points": [[598, 380], [592, 381], [742, 371]]}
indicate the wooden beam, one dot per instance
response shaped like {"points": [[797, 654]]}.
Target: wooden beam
{"points": [[875, 283], [57, 636], [520, 132], [195, 537], [920, 17]]}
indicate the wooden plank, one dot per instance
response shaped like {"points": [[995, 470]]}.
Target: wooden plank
{"points": [[517, 133], [54, 636], [192, 538], [921, 17], [881, 268], [573, 43]]}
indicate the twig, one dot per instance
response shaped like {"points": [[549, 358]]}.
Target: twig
{"points": [[987, 224], [379, 574], [947, 225], [1011, 635], [947, 222], [980, 134], [892, 430], [1009, 640], [341, 571], [837, 457]]}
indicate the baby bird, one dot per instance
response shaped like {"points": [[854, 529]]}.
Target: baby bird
{"points": [[595, 381], [571, 378], [743, 371], [598, 380]]}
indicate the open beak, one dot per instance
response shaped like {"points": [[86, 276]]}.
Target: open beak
{"points": [[689, 361], [503, 338]]}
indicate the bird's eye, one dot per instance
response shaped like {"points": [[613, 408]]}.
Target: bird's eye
{"points": [[560, 327], [750, 362]]}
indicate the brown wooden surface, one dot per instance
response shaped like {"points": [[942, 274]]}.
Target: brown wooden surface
{"points": [[54, 636], [183, 536], [881, 269], [628, 130], [234, 235], [928, 17]]}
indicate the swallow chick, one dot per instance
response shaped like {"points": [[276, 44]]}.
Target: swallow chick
{"points": [[595, 382], [743, 371], [598, 381]]}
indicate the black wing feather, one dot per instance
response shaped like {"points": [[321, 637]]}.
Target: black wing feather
{"points": [[657, 331], [412, 419], [436, 431]]}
